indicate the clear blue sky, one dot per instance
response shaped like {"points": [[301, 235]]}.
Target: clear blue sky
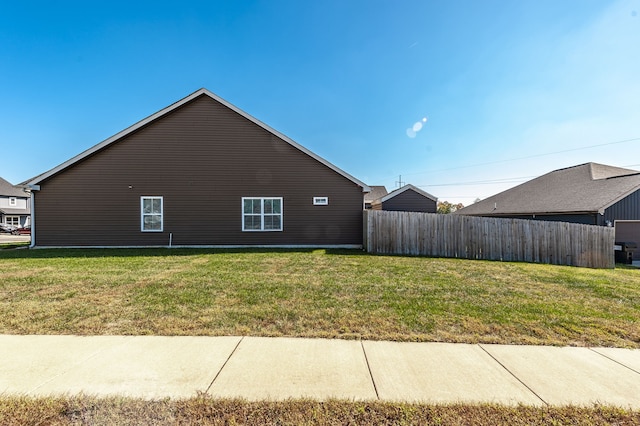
{"points": [[462, 98]]}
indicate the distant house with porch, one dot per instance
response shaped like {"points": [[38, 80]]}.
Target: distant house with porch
{"points": [[14, 205]]}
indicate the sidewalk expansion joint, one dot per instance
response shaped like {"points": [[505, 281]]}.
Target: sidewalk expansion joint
{"points": [[514, 376], [223, 365], [373, 381], [616, 361]]}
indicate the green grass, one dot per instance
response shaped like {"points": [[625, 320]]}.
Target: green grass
{"points": [[14, 245], [82, 410], [312, 293], [315, 293]]}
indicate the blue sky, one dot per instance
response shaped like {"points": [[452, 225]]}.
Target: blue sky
{"points": [[461, 98]]}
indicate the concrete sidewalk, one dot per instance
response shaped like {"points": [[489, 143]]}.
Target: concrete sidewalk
{"points": [[8, 238], [258, 368]]}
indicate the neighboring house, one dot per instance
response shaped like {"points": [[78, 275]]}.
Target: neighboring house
{"points": [[14, 205], [376, 193], [591, 193], [200, 172], [408, 199]]}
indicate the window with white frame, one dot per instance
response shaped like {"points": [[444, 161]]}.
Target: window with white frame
{"points": [[13, 201], [261, 214], [151, 216], [12, 221]]}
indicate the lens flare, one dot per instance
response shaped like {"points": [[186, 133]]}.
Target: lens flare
{"points": [[412, 131]]}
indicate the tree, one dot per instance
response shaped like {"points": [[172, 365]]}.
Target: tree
{"points": [[445, 207]]}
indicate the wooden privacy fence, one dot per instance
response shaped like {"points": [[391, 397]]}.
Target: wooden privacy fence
{"points": [[468, 237]]}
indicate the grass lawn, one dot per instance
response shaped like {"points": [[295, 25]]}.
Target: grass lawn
{"points": [[311, 293], [13, 245], [315, 293], [204, 411]]}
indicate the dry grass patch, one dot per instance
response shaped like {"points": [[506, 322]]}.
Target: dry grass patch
{"points": [[315, 293], [205, 411]]}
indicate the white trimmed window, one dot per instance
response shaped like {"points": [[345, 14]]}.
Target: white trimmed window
{"points": [[151, 216], [261, 214], [12, 221], [13, 201]]}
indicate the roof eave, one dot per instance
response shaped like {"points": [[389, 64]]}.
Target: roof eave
{"points": [[112, 139], [620, 197], [462, 212], [37, 179], [406, 188]]}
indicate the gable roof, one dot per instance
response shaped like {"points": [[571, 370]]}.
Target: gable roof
{"points": [[585, 188], [8, 190], [376, 192], [201, 92], [407, 187]]}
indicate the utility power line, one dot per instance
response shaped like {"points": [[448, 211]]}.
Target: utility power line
{"points": [[495, 181], [528, 157], [483, 182]]}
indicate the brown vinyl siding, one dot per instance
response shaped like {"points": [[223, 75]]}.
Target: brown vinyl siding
{"points": [[410, 201], [202, 158]]}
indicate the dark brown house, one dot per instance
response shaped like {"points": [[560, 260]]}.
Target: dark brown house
{"points": [[200, 172], [408, 199]]}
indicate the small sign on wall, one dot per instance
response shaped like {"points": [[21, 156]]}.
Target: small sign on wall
{"points": [[320, 201]]}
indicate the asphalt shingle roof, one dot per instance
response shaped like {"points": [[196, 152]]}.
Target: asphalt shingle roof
{"points": [[376, 193], [8, 190], [589, 187]]}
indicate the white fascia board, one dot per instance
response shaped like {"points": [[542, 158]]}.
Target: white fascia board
{"points": [[403, 189], [287, 139], [113, 138], [174, 106]]}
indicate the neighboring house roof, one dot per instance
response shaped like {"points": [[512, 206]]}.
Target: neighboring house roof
{"points": [[8, 190], [403, 189], [201, 92], [376, 192], [585, 188], [16, 212]]}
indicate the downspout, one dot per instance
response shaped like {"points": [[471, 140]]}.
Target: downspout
{"points": [[365, 220], [32, 200]]}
